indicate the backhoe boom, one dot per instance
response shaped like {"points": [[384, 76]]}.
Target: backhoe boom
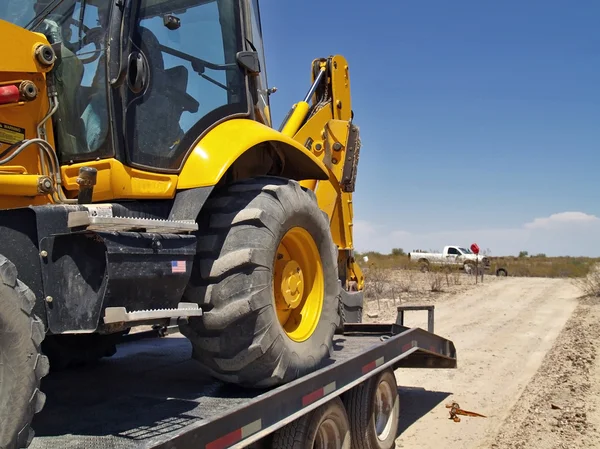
{"points": [[323, 123]]}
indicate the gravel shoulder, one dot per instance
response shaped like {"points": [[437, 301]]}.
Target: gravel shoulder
{"points": [[505, 332], [560, 407]]}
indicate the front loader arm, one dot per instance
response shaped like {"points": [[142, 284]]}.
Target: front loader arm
{"points": [[323, 124]]}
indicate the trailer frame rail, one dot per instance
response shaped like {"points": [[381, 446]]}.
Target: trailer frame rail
{"points": [[400, 347]]}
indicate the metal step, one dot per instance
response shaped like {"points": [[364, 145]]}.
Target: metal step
{"points": [[114, 315], [92, 222]]}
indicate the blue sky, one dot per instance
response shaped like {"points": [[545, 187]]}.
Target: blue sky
{"points": [[476, 117]]}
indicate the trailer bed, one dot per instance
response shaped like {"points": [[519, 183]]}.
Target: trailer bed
{"points": [[152, 395]]}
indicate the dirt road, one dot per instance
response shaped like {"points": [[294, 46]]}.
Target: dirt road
{"points": [[502, 332]]}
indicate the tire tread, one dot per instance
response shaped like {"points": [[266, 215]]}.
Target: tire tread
{"points": [[223, 262], [39, 363]]}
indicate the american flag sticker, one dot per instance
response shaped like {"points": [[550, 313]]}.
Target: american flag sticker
{"points": [[178, 266]]}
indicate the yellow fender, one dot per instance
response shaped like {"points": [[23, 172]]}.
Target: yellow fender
{"points": [[223, 145]]}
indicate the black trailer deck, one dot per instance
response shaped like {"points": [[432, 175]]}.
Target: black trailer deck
{"points": [[152, 395]]}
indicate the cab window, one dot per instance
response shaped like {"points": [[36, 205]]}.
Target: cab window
{"points": [[81, 123], [189, 50]]}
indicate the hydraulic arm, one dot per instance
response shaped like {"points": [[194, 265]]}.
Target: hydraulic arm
{"points": [[323, 123]]}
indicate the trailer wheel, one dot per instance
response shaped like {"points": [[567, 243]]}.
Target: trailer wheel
{"points": [[22, 364], [326, 427], [374, 409], [266, 277]]}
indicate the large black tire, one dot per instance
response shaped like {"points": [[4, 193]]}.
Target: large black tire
{"points": [[22, 364], [240, 339], [326, 427], [374, 409]]}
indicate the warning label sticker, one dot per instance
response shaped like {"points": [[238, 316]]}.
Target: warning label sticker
{"points": [[11, 134]]}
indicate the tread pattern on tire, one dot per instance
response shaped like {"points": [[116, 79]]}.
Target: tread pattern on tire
{"points": [[295, 434], [359, 413], [37, 362], [235, 340]]}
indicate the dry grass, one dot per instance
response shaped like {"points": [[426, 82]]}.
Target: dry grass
{"points": [[393, 282], [435, 280], [388, 287], [534, 266], [551, 267], [590, 284]]}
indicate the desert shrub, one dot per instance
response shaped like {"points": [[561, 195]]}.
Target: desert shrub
{"points": [[406, 281], [590, 284], [435, 278], [377, 281]]}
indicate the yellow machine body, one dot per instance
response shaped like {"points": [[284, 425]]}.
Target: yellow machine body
{"points": [[141, 183], [225, 147]]}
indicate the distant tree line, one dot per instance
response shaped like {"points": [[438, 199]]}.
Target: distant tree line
{"points": [[523, 254]]}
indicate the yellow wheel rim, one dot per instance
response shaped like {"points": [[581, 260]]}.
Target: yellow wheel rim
{"points": [[298, 284]]}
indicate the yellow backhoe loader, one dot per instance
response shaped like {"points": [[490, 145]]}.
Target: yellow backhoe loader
{"points": [[142, 181]]}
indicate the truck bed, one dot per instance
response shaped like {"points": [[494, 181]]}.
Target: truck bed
{"points": [[152, 395]]}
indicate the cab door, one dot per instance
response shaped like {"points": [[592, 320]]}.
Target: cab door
{"points": [[183, 78]]}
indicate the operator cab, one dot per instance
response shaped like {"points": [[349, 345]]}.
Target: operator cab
{"points": [[182, 67]]}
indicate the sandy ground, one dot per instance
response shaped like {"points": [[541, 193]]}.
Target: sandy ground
{"points": [[526, 359]]}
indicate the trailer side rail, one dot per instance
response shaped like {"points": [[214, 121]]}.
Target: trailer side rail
{"points": [[399, 347]]}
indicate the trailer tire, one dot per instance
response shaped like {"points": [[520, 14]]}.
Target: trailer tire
{"points": [[243, 336], [327, 424], [22, 364], [374, 409]]}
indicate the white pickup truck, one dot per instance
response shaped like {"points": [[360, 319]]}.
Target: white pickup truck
{"points": [[451, 255]]}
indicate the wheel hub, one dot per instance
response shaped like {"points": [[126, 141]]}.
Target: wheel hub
{"points": [[298, 284], [328, 435], [384, 403], [292, 284]]}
